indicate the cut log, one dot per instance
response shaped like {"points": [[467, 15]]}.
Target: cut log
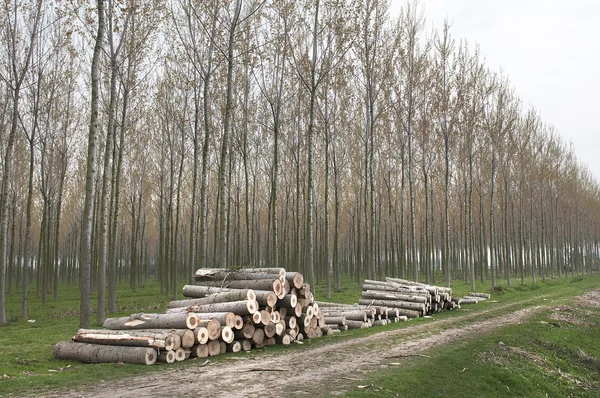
{"points": [[153, 321], [297, 311], [239, 322], [142, 338], [199, 351], [98, 353], [258, 336], [221, 297], [246, 332], [288, 301], [188, 339], [246, 345], [265, 317], [270, 341], [213, 328], [201, 335], [179, 355], [295, 279], [290, 321], [234, 346], [284, 339], [214, 348], [227, 334], [270, 330], [222, 347], [166, 356], [279, 328], [356, 324], [275, 317], [356, 315]]}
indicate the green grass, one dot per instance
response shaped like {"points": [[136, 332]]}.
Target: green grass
{"points": [[28, 366], [26, 360]]}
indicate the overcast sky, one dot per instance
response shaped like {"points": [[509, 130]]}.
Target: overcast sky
{"points": [[549, 49]]}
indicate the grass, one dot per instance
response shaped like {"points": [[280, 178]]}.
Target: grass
{"points": [[28, 366], [556, 353], [26, 360]]}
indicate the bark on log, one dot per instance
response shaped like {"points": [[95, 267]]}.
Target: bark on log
{"points": [[143, 338], [199, 291], [224, 318], [153, 321], [276, 270], [395, 304], [288, 301], [337, 320], [99, 353], [242, 307], [356, 324], [222, 297], [380, 295], [274, 285]]}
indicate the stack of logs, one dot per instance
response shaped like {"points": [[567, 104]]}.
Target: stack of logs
{"points": [[226, 311], [474, 298], [411, 299]]}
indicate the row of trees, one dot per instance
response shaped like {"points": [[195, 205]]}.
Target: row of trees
{"points": [[323, 136]]}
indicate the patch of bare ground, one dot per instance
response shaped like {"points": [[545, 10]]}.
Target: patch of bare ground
{"points": [[591, 299], [301, 372]]}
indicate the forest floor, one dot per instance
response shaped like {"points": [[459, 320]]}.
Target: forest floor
{"points": [[329, 366]]}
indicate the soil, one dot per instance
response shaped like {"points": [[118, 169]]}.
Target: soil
{"points": [[306, 370]]}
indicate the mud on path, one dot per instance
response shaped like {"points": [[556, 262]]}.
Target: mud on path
{"points": [[304, 371]]}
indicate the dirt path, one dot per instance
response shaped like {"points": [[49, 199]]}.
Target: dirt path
{"points": [[301, 372]]}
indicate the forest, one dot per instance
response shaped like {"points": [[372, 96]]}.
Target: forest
{"points": [[146, 139]]}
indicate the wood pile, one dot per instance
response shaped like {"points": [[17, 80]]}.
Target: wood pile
{"points": [[412, 299], [342, 317], [226, 311], [474, 298]]}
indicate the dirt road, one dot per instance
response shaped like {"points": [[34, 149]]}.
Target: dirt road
{"points": [[305, 370]]}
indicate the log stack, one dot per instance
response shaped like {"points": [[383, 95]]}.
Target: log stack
{"points": [[412, 299], [474, 298], [225, 311]]}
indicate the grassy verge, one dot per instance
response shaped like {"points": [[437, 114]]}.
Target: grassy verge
{"points": [[555, 353]]}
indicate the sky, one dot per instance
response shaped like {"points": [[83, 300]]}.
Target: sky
{"points": [[550, 51]]}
